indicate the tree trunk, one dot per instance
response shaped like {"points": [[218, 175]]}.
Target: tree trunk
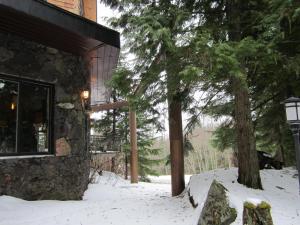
{"points": [[175, 128], [176, 147], [248, 169]]}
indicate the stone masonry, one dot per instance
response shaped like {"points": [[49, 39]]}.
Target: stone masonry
{"points": [[49, 177]]}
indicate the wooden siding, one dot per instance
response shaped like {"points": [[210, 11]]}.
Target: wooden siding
{"points": [[73, 6], [90, 9]]}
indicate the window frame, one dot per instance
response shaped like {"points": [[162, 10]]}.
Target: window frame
{"points": [[21, 80]]}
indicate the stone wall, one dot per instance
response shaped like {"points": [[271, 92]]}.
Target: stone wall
{"points": [[49, 177]]}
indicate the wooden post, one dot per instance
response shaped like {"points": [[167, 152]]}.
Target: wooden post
{"points": [[133, 144], [90, 9], [126, 166]]}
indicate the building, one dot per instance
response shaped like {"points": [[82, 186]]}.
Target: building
{"points": [[53, 64]]}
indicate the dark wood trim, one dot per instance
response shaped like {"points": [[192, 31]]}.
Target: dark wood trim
{"points": [[49, 13], [26, 154]]}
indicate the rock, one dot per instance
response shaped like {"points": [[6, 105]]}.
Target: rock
{"points": [[52, 50], [216, 210], [62, 147], [191, 199], [66, 105], [254, 214]]}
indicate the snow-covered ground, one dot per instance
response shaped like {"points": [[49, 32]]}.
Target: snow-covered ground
{"points": [[112, 200], [280, 190]]}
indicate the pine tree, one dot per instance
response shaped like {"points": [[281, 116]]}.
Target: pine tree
{"points": [[114, 129], [154, 32], [228, 49], [273, 78]]}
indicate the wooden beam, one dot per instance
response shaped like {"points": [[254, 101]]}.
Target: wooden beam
{"points": [[133, 144], [90, 9], [107, 106]]}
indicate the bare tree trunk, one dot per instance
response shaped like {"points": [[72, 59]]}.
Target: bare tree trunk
{"points": [[175, 129], [176, 147], [248, 169]]}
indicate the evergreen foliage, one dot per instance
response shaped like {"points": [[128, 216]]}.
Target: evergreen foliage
{"points": [[243, 55], [114, 125], [114, 128], [272, 54]]}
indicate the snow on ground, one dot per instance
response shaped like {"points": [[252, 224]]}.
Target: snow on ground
{"points": [[112, 200], [280, 190]]}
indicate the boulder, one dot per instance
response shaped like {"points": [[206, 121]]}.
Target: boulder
{"points": [[257, 213], [216, 210]]}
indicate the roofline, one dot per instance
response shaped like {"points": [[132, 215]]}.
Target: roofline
{"points": [[52, 14]]}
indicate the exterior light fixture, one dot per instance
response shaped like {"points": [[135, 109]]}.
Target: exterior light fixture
{"points": [[85, 95], [292, 109], [13, 106]]}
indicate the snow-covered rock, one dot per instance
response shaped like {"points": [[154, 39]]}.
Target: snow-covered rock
{"points": [[216, 209], [280, 191]]}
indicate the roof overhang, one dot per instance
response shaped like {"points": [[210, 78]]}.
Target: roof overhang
{"points": [[50, 25]]}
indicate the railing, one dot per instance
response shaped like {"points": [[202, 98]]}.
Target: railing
{"points": [[102, 144]]}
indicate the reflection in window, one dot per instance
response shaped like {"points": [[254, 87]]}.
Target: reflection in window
{"points": [[24, 117], [33, 118], [8, 116]]}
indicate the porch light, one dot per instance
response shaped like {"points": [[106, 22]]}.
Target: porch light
{"points": [[85, 95], [13, 106]]}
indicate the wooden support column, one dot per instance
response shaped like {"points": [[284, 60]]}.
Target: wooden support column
{"points": [[133, 135], [133, 144], [90, 9]]}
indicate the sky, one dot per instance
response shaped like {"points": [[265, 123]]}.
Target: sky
{"points": [[103, 12]]}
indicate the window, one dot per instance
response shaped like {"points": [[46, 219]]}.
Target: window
{"points": [[25, 117]]}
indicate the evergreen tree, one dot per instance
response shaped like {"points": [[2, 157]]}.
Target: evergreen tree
{"points": [[274, 77], [234, 51], [114, 131], [155, 31]]}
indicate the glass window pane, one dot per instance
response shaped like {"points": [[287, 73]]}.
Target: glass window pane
{"points": [[33, 118], [8, 116], [291, 113]]}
